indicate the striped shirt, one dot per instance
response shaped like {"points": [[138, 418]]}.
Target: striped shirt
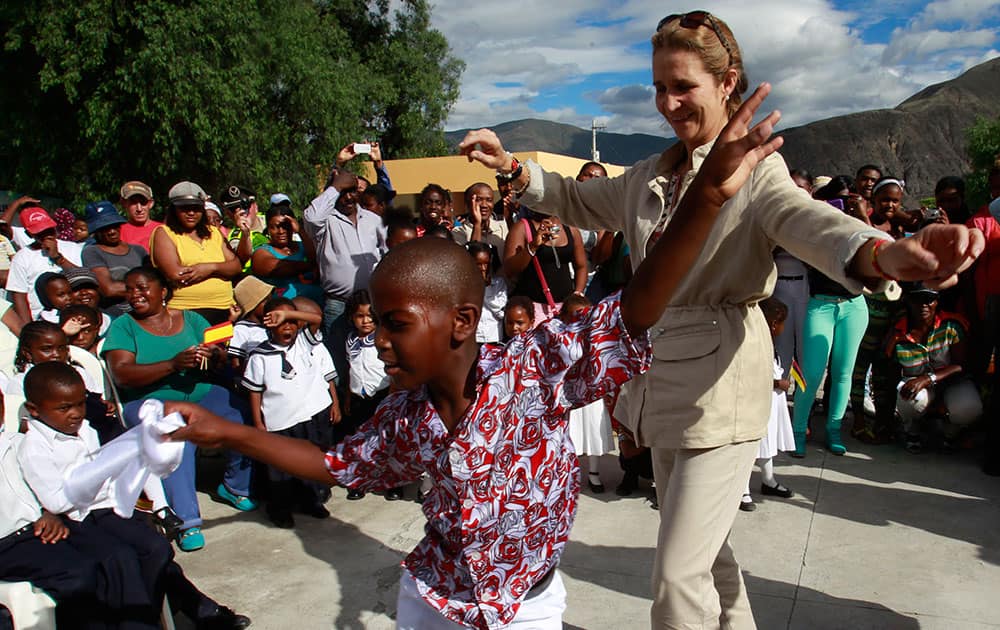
{"points": [[918, 357]]}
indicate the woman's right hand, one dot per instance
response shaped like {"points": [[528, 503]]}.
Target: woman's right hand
{"points": [[189, 358], [484, 146]]}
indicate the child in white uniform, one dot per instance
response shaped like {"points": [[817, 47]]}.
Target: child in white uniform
{"points": [[290, 378], [779, 427]]}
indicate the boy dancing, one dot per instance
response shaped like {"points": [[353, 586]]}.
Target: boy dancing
{"points": [[489, 424]]}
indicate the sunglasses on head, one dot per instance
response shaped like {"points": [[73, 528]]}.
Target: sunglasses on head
{"points": [[694, 20]]}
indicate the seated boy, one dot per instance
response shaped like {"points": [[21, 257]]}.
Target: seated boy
{"points": [[488, 424], [36, 547], [60, 438]]}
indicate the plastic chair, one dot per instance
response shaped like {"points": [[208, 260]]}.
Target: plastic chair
{"points": [[30, 608]]}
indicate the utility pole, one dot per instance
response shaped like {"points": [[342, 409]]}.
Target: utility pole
{"points": [[595, 126]]}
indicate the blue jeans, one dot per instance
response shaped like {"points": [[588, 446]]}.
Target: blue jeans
{"points": [[180, 485], [335, 329]]}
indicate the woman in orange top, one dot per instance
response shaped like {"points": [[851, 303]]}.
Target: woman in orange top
{"points": [[194, 256]]}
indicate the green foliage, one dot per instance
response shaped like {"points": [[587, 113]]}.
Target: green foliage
{"points": [[254, 92], [984, 151]]}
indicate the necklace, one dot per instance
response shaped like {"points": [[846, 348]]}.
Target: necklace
{"points": [[160, 329]]}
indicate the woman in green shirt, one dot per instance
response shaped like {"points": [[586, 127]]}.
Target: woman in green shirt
{"points": [[155, 352]]}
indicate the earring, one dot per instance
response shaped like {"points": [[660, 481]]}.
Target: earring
{"points": [[727, 97]]}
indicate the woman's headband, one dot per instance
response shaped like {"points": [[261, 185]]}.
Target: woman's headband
{"points": [[886, 182]]}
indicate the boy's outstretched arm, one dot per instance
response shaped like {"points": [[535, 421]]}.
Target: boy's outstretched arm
{"points": [[736, 152], [297, 457]]}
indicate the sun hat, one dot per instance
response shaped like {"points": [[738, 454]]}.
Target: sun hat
{"points": [[100, 215], [250, 292]]}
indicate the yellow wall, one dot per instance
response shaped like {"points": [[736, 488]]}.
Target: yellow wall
{"points": [[456, 173]]}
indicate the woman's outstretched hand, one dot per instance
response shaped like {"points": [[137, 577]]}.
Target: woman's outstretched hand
{"points": [[935, 255], [484, 146], [738, 149]]}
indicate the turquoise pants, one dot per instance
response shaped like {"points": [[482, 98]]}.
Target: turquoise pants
{"points": [[832, 332]]}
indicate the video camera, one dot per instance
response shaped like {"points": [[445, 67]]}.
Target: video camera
{"points": [[237, 198]]}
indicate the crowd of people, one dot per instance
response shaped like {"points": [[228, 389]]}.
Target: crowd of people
{"points": [[485, 353]]}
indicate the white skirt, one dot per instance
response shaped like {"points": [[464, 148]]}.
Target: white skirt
{"points": [[590, 429], [779, 429]]}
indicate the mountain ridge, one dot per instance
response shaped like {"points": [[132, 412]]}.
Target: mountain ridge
{"points": [[920, 140]]}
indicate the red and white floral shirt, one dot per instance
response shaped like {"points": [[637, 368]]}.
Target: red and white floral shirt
{"points": [[506, 481]]}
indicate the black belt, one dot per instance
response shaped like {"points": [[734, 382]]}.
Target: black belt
{"points": [[791, 277], [541, 584]]}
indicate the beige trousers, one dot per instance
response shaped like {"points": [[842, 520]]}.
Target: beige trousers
{"points": [[696, 580]]}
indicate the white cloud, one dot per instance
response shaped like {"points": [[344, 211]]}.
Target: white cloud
{"points": [[519, 55], [919, 45]]}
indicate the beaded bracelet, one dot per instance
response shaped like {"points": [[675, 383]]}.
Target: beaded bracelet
{"points": [[878, 269]]}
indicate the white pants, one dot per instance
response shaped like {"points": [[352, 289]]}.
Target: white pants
{"points": [[697, 583], [541, 612], [961, 399]]}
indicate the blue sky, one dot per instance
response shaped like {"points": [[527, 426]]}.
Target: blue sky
{"points": [[573, 61]]}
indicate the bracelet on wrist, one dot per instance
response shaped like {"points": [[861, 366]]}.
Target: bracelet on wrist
{"points": [[878, 268], [932, 377], [512, 173], [531, 250]]}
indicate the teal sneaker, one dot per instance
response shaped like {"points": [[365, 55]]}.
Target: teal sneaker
{"points": [[243, 504], [191, 539]]}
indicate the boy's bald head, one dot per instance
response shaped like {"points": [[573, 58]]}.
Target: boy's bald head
{"points": [[431, 270]]}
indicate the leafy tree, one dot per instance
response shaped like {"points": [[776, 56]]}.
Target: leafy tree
{"points": [[983, 140], [261, 93]]}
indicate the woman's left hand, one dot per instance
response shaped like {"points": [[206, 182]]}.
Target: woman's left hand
{"points": [[935, 255], [739, 149], [198, 272]]}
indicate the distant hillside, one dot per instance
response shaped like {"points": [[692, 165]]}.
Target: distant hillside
{"points": [[920, 140], [542, 135]]}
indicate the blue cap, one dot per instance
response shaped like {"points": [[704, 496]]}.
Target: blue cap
{"points": [[280, 198], [102, 214]]}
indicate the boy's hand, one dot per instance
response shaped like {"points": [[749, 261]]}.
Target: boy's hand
{"points": [[204, 428], [50, 528], [914, 386], [234, 312], [276, 318], [74, 325], [335, 416], [738, 149]]}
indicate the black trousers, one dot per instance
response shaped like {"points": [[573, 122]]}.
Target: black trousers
{"points": [[148, 560], [91, 590]]}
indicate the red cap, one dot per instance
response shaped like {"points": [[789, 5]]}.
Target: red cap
{"points": [[36, 220]]}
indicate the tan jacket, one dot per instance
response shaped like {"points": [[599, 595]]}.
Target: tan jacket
{"points": [[711, 379]]}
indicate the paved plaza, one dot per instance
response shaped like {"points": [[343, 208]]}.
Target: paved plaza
{"points": [[879, 539]]}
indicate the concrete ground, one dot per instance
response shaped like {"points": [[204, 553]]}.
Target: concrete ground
{"points": [[879, 538]]}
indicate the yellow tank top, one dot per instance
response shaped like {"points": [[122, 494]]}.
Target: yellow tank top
{"points": [[211, 293]]}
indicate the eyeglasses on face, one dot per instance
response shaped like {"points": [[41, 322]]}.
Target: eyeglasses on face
{"points": [[696, 19]]}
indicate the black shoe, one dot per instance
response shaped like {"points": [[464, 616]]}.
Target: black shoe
{"points": [[315, 510], [596, 488], [421, 496], [355, 495], [223, 619], [284, 520], [747, 506], [394, 494], [627, 486], [776, 491], [168, 521]]}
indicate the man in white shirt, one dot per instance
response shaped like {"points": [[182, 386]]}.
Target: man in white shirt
{"points": [[45, 253], [481, 225]]}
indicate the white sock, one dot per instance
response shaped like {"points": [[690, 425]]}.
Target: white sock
{"points": [[746, 497], [594, 461], [767, 472]]}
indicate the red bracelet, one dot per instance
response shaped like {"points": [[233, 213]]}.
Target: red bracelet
{"points": [[878, 269]]}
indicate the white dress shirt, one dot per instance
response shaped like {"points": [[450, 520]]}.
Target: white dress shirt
{"points": [[18, 506], [47, 455]]}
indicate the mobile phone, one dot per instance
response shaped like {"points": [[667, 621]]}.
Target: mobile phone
{"points": [[362, 147]]}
